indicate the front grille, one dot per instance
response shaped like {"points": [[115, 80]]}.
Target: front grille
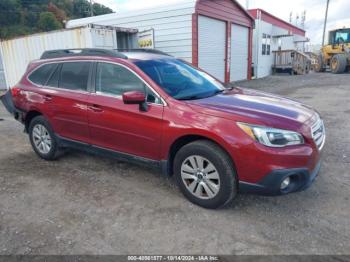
{"points": [[318, 133]]}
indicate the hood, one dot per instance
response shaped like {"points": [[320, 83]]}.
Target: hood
{"points": [[262, 108]]}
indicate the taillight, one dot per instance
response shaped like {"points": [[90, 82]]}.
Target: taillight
{"points": [[15, 91]]}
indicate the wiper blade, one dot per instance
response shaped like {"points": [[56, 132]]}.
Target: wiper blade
{"points": [[190, 98], [193, 97]]}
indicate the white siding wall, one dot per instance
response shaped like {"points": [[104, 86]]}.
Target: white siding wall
{"points": [[19, 52], [3, 84], [255, 47], [288, 43], [263, 63], [172, 26], [300, 43], [103, 38]]}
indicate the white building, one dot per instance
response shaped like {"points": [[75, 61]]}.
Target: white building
{"points": [[272, 34], [3, 83], [17, 53], [215, 35]]}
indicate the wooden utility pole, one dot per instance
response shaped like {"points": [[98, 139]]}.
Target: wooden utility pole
{"points": [[325, 24], [91, 8]]}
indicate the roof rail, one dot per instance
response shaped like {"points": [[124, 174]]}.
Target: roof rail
{"points": [[81, 52], [145, 50]]}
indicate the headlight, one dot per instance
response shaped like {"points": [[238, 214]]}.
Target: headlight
{"points": [[272, 137]]}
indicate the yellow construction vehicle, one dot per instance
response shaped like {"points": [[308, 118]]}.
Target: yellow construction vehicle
{"points": [[335, 55]]}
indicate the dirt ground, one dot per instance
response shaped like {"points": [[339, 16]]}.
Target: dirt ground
{"points": [[83, 204]]}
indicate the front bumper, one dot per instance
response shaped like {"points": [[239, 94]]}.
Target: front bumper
{"points": [[301, 179]]}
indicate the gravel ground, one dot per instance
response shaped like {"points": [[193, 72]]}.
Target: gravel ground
{"points": [[83, 204]]}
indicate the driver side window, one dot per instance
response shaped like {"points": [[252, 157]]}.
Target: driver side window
{"points": [[113, 79]]}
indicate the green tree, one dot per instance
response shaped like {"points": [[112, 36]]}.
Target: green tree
{"points": [[81, 8], [22, 17], [10, 12], [30, 18], [101, 9], [48, 22], [66, 5], [59, 13]]}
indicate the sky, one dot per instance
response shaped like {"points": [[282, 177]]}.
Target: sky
{"points": [[338, 16]]}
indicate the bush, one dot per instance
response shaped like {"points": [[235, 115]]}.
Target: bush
{"points": [[48, 22]]}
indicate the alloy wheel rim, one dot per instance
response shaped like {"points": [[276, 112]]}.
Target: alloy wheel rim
{"points": [[200, 177], [41, 139]]}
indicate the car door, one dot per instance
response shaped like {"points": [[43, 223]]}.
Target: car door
{"points": [[121, 127], [67, 99]]}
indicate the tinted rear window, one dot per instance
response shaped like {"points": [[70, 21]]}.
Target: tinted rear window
{"points": [[40, 75], [75, 75]]}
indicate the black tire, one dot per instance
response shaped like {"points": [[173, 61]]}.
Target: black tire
{"points": [[219, 158], [319, 67], [338, 63], [54, 151]]}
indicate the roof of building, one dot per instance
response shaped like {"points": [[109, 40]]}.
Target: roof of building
{"points": [[188, 5], [270, 18]]}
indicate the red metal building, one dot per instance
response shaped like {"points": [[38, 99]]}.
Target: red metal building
{"points": [[238, 24], [215, 35]]}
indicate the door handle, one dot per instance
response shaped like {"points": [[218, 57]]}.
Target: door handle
{"points": [[96, 108], [47, 98]]}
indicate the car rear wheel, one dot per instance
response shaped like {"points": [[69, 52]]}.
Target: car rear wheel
{"points": [[205, 174], [42, 138]]}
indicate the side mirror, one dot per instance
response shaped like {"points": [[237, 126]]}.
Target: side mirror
{"points": [[135, 98]]}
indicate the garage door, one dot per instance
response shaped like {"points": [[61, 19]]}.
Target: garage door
{"points": [[239, 52], [211, 46]]}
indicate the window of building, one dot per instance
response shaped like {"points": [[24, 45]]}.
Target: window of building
{"points": [[115, 80], [268, 45], [40, 75], [264, 44], [75, 75]]}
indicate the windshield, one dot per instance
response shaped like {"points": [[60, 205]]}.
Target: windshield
{"points": [[341, 36], [180, 80]]}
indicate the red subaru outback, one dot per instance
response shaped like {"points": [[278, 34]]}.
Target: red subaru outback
{"points": [[151, 108]]}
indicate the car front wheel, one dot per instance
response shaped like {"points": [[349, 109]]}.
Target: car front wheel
{"points": [[205, 174]]}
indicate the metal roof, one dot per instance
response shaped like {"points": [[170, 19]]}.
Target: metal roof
{"points": [[188, 4]]}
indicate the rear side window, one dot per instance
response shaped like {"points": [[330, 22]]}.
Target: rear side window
{"points": [[41, 75], [75, 75]]}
